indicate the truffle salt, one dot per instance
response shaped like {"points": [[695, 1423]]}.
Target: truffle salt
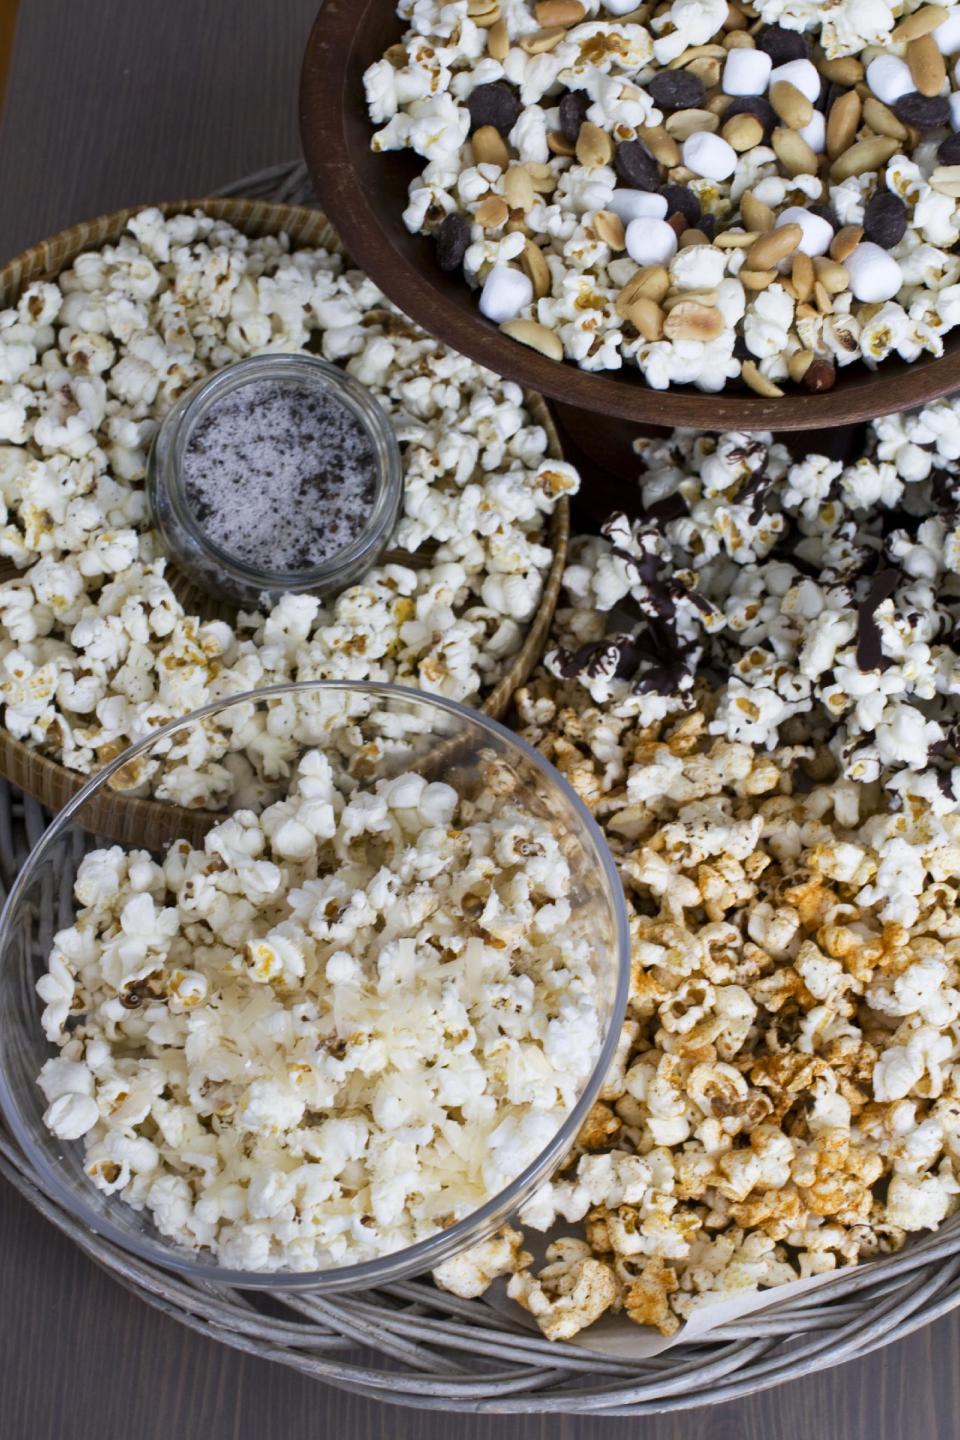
{"points": [[279, 476]]}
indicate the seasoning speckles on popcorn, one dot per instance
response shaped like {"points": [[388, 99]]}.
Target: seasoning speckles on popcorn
{"points": [[709, 191], [96, 650]]}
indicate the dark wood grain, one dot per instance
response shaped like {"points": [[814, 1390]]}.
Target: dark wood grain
{"points": [[112, 101], [364, 195]]}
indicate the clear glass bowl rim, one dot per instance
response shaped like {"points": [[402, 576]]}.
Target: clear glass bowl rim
{"points": [[424, 1254], [168, 444]]}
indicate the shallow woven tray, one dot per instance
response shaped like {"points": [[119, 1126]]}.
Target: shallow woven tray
{"points": [[127, 819], [413, 1345]]}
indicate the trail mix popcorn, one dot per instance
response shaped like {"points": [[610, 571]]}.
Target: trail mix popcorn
{"points": [[96, 649], [710, 191], [337, 1028]]}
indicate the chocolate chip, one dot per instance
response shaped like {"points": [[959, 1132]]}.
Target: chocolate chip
{"points": [[820, 375], [826, 213], [493, 104], [453, 237], [885, 219], [949, 150], [573, 112], [636, 166], [677, 90], [782, 45], [677, 222], [682, 199], [753, 105], [708, 224], [870, 654], [926, 112]]}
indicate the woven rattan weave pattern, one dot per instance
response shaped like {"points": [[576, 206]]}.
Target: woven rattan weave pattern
{"points": [[416, 1346]]}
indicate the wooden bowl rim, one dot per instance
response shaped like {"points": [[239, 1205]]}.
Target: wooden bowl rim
{"points": [[131, 819], [349, 199]]}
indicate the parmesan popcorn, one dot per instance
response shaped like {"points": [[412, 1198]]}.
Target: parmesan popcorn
{"points": [[338, 1028]]}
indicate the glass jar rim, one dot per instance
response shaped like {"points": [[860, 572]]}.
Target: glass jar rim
{"points": [[278, 365]]}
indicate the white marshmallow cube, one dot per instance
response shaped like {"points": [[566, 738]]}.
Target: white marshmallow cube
{"points": [[636, 205], [815, 133], [947, 35], [874, 274], [802, 74], [746, 72], [505, 293], [651, 242], [619, 7], [817, 232], [889, 78], [955, 109], [709, 155]]}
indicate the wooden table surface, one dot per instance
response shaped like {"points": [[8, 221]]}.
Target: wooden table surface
{"points": [[111, 102]]}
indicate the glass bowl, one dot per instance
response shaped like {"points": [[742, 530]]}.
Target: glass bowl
{"points": [[367, 732]]}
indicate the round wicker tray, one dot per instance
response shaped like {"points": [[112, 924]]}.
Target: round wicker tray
{"points": [[413, 1345], [128, 819]]}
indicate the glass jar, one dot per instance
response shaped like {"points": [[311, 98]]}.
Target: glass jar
{"points": [[210, 564]]}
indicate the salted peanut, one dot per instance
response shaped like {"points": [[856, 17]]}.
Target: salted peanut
{"points": [[692, 321], [682, 297], [736, 19], [793, 152], [823, 299], [882, 119], [791, 104], [684, 123], [715, 52], [498, 41], [921, 22], [518, 188], [538, 337], [534, 265], [542, 41], [843, 122], [662, 146], [946, 180], [558, 144], [776, 245], [756, 279], [492, 212], [847, 70], [646, 317], [517, 225], [743, 132], [739, 40], [756, 215], [845, 242], [594, 146], [865, 155], [799, 363], [609, 228], [735, 239], [544, 180], [831, 275], [926, 65], [650, 281], [758, 382], [489, 147], [483, 13], [707, 70], [802, 276], [559, 12], [693, 236]]}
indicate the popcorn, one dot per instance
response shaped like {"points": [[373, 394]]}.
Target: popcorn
{"points": [[96, 650], [305, 1037]]}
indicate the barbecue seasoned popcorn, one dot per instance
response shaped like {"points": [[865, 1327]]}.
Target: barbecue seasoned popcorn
{"points": [[96, 650], [295, 1047]]}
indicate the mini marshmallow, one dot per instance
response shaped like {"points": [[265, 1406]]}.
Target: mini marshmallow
{"points": [[802, 74], [637, 204], [651, 242], [619, 7], [746, 72], [709, 155], [815, 133], [947, 35], [955, 109], [505, 293], [817, 232], [889, 78], [874, 274]]}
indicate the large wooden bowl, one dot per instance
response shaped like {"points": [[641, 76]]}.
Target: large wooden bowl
{"points": [[364, 194], [128, 819]]}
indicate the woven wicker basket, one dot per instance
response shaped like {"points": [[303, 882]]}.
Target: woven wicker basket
{"points": [[413, 1345], [127, 819]]}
